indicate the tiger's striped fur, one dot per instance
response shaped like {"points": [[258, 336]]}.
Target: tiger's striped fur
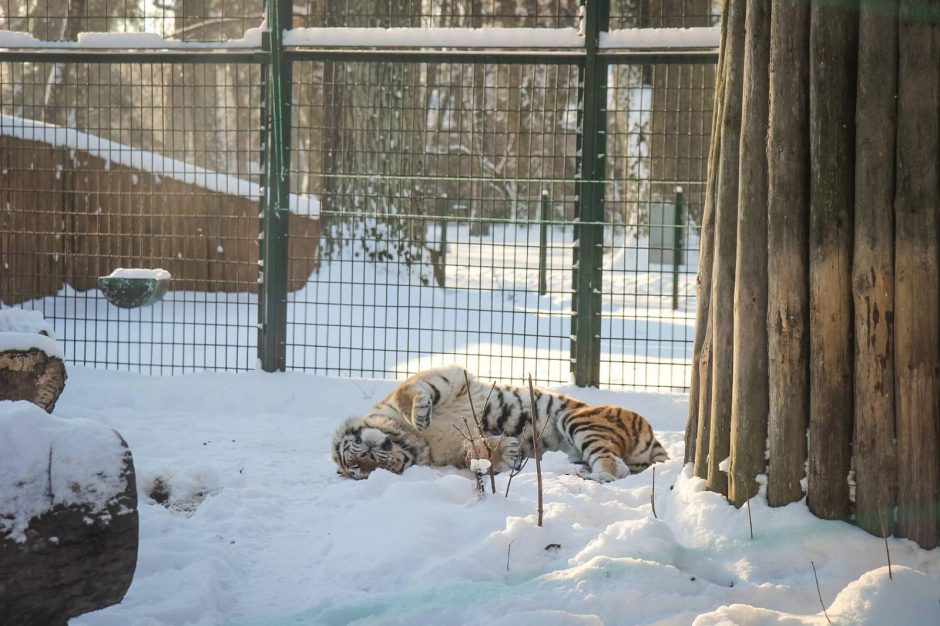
{"points": [[415, 425]]}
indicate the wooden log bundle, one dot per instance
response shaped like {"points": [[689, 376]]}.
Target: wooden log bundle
{"points": [[68, 494], [819, 268]]}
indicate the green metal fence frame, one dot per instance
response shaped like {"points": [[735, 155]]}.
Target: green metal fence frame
{"points": [[593, 63]]}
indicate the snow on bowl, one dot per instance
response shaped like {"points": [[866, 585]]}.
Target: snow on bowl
{"points": [[129, 288]]}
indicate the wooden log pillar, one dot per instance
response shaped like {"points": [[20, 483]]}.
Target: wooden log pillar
{"points": [[726, 214], [787, 251], [833, 52], [700, 386], [850, 217], [875, 459], [917, 283], [749, 391]]}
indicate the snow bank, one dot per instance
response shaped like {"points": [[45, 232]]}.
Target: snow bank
{"points": [[264, 533], [46, 461], [874, 599], [111, 151], [23, 330]]}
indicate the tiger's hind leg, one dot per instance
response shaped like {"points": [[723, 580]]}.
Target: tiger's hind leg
{"points": [[598, 440], [604, 469], [417, 396]]}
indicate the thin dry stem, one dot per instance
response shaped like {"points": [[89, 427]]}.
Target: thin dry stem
{"points": [[820, 593], [653, 495], [508, 552], [881, 517], [535, 446]]}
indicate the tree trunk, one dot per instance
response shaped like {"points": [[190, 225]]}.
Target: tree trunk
{"points": [[875, 461], [31, 375], [749, 391], [72, 26], [917, 285], [833, 50], [726, 207], [787, 283]]}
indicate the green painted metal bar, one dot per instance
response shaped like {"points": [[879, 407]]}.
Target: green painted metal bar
{"points": [[677, 227], [589, 210], [272, 276], [543, 244]]}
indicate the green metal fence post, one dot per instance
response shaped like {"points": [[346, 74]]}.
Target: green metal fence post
{"points": [[676, 248], [543, 244], [442, 261], [589, 204], [275, 206]]}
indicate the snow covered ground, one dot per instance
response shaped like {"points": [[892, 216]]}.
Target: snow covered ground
{"points": [[260, 531]]}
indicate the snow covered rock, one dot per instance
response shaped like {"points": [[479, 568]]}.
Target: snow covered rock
{"points": [[31, 366], [68, 516]]}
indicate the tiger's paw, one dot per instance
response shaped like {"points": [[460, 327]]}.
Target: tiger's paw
{"points": [[421, 411], [600, 477]]}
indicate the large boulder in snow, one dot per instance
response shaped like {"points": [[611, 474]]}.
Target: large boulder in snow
{"points": [[31, 366], [68, 516]]}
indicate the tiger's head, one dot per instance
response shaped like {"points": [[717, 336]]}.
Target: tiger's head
{"points": [[364, 444]]}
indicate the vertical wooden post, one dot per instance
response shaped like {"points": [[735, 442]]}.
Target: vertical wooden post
{"points": [[749, 389], [875, 460], [788, 283], [833, 54], [726, 216], [917, 284], [697, 424]]}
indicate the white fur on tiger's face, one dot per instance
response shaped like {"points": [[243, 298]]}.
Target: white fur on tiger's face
{"points": [[421, 423], [362, 445]]}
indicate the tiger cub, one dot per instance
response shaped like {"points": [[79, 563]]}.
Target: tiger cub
{"points": [[415, 425]]}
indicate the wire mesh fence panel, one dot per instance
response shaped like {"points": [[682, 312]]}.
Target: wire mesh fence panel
{"points": [[437, 14], [663, 13], [183, 20], [657, 147], [435, 201], [133, 165], [434, 179]]}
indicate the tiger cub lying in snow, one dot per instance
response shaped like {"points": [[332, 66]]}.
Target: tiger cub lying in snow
{"points": [[415, 424]]}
